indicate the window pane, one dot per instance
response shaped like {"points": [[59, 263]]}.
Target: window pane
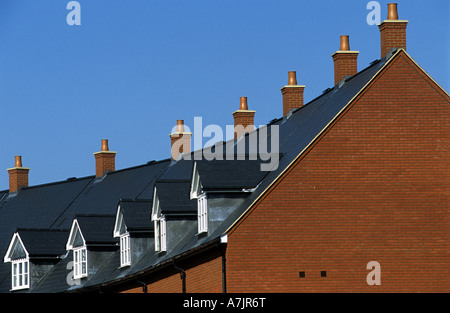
{"points": [[14, 274]]}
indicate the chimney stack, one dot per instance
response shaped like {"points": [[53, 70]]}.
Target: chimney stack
{"points": [[243, 119], [180, 141], [345, 61], [392, 31], [18, 175], [292, 94], [104, 160]]}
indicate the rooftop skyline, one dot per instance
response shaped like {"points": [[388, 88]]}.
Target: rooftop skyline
{"points": [[129, 71]]}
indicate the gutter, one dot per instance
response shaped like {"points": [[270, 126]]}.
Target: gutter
{"points": [[171, 261]]}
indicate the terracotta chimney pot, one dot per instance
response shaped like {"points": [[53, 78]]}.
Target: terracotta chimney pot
{"points": [[345, 43], [292, 80], [18, 162], [180, 126], [392, 31], [292, 94], [345, 60], [392, 11], [243, 105]]}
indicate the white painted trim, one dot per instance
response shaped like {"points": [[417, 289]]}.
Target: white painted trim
{"points": [[127, 238], [7, 258], [224, 238], [69, 244], [76, 251], [195, 183], [26, 284], [118, 222], [155, 205]]}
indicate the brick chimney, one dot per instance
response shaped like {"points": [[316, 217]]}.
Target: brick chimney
{"points": [[345, 61], [292, 94], [180, 141], [18, 175], [104, 160], [243, 119], [392, 31]]}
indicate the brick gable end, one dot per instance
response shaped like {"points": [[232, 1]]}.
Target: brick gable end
{"points": [[373, 187]]}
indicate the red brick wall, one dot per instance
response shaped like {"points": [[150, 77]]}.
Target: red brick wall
{"points": [[392, 35], [203, 275], [105, 161], [18, 177], [243, 120], [292, 98], [345, 64], [374, 187]]}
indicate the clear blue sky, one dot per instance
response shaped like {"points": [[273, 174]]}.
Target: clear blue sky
{"points": [[134, 67]]}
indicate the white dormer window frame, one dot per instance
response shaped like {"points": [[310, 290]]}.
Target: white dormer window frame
{"points": [[80, 263], [120, 231], [196, 188], [202, 213], [118, 223], [20, 274], [155, 206], [20, 268], [160, 224], [125, 251], [160, 234]]}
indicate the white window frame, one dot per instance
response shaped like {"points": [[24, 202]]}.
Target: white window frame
{"points": [[202, 213], [160, 234], [80, 262], [20, 274], [125, 251]]}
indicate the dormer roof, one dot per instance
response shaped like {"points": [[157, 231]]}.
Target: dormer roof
{"points": [[36, 243], [92, 230], [133, 216], [172, 198]]}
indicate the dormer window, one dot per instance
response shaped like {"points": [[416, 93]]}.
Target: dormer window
{"points": [[160, 234], [79, 262], [20, 274], [18, 255], [196, 192], [120, 230], [90, 243], [77, 244], [31, 252], [125, 252], [202, 213]]}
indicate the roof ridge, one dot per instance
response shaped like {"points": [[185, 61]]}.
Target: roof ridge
{"points": [[94, 215], [69, 180], [41, 229]]}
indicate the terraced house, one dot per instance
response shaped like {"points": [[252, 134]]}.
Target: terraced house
{"points": [[361, 179]]}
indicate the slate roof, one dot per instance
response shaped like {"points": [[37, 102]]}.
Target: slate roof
{"points": [[136, 214], [174, 198], [54, 206], [44, 242], [97, 229], [229, 174]]}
